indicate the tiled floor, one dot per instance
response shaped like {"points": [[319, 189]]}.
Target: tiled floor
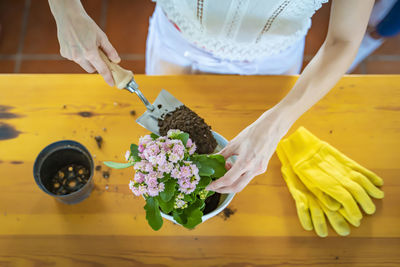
{"points": [[28, 37]]}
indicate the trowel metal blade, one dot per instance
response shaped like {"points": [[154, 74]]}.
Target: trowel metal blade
{"points": [[164, 103]]}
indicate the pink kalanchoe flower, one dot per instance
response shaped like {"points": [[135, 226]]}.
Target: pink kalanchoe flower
{"points": [[194, 169], [144, 140], [140, 166], [192, 149], [151, 150], [153, 191], [148, 167], [166, 168], [185, 171], [127, 155], [175, 173], [161, 187], [139, 177], [141, 148], [189, 143], [161, 159]]}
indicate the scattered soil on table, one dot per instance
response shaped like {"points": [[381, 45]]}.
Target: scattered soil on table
{"points": [[7, 131], [16, 162], [98, 168], [159, 106], [211, 203], [99, 140], [188, 121], [132, 112], [227, 213], [64, 106], [86, 114], [106, 174], [69, 179], [5, 114]]}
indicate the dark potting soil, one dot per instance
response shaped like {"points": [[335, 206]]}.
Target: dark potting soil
{"points": [[186, 120], [69, 179], [211, 203]]}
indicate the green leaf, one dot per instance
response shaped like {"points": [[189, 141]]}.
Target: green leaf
{"points": [[204, 181], [188, 198], [153, 136], [210, 165], [169, 190], [117, 165], [135, 152], [153, 215], [179, 217], [184, 137], [193, 214], [167, 206]]}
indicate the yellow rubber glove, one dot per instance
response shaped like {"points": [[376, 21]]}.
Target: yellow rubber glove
{"points": [[322, 167], [309, 209]]}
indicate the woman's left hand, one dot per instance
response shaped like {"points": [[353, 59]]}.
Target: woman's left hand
{"points": [[253, 147]]}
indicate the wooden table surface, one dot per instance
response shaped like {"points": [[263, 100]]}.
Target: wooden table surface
{"points": [[360, 116]]}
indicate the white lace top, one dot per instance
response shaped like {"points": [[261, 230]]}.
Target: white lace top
{"points": [[242, 29]]}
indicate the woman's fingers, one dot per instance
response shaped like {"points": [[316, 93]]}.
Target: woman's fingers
{"points": [[238, 185], [85, 65], [109, 50], [228, 151], [229, 178], [101, 67]]}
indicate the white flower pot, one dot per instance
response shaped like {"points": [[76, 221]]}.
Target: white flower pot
{"points": [[225, 198]]}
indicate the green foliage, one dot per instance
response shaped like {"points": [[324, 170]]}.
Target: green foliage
{"points": [[210, 165], [116, 165], [169, 190], [153, 215], [166, 206], [184, 137], [135, 152], [153, 136]]}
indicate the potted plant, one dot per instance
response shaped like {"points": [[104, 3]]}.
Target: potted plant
{"points": [[172, 178]]}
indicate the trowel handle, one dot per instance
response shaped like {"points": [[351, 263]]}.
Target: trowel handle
{"points": [[124, 80], [121, 76]]}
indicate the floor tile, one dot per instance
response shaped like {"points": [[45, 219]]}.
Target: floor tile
{"points": [[50, 66], [383, 67], [7, 66], [136, 66], [11, 13], [391, 46], [41, 34], [319, 28], [127, 24]]}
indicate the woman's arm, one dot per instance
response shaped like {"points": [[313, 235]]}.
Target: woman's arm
{"points": [[255, 145], [347, 25], [80, 37]]}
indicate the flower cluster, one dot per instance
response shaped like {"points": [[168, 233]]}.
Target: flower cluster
{"points": [[163, 157]]}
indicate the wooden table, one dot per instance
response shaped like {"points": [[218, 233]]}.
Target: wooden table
{"points": [[360, 116]]}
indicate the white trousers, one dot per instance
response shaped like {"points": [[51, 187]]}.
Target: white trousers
{"points": [[168, 52]]}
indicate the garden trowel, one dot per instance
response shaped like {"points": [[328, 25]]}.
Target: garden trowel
{"points": [[164, 103]]}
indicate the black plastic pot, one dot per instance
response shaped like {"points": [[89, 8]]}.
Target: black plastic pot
{"points": [[54, 157]]}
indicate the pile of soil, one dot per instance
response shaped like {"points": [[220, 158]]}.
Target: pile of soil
{"points": [[69, 179], [187, 121]]}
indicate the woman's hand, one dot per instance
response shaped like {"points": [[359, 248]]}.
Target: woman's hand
{"points": [[80, 38], [253, 147]]}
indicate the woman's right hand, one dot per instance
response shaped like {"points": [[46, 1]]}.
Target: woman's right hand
{"points": [[80, 38]]}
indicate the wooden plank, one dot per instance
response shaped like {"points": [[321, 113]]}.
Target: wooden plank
{"points": [[197, 251], [360, 116]]}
